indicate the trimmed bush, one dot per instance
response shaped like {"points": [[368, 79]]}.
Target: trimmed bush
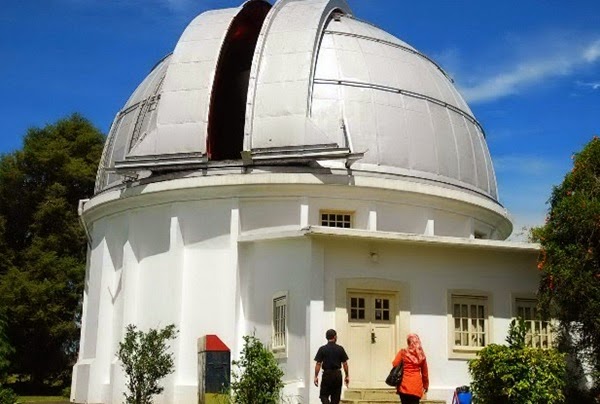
{"points": [[517, 374]]}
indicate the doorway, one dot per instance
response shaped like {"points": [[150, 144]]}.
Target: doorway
{"points": [[372, 336]]}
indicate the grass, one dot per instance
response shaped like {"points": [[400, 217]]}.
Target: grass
{"points": [[43, 400]]}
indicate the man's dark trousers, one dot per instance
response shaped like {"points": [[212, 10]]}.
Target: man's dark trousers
{"points": [[331, 386]]}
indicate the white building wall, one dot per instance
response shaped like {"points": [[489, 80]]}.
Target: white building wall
{"points": [[168, 264], [177, 259], [269, 213], [209, 287], [405, 219], [432, 273], [100, 371], [281, 266]]}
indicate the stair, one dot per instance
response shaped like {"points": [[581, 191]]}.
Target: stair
{"points": [[378, 396]]}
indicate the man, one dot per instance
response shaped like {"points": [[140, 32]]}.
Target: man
{"points": [[331, 357]]}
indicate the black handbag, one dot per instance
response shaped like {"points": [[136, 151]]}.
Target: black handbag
{"points": [[395, 376]]}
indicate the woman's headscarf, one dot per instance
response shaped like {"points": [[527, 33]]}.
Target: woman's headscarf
{"points": [[414, 352]]}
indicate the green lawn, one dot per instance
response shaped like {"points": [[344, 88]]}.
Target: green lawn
{"points": [[43, 399]]}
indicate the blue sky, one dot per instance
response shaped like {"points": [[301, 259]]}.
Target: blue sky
{"points": [[530, 70]]}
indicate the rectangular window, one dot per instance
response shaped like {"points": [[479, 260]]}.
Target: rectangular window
{"points": [[336, 219], [470, 319], [280, 322], [382, 309], [357, 308], [539, 333]]}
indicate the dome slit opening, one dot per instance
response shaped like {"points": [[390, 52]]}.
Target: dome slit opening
{"points": [[230, 88]]}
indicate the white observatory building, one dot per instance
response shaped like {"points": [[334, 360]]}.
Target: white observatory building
{"points": [[288, 169]]}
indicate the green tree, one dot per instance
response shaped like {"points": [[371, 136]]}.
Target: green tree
{"points": [[570, 258], [6, 395], [5, 349], [145, 360], [517, 374], [6, 254], [258, 377], [42, 259]]}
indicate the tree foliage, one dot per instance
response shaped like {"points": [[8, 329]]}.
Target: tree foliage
{"points": [[7, 396], [42, 245], [257, 378], [570, 258], [517, 374], [145, 360], [5, 349]]}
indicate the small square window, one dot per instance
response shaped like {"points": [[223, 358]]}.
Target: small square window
{"points": [[382, 309], [337, 219], [357, 308]]}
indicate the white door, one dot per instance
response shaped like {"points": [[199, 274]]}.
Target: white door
{"points": [[371, 348]]}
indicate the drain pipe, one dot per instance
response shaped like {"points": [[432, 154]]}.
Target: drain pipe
{"points": [[82, 203]]}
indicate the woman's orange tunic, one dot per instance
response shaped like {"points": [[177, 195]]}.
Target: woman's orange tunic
{"points": [[415, 377]]}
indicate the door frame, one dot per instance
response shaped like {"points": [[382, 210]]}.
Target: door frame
{"points": [[399, 290]]}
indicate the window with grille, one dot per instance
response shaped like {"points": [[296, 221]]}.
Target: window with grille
{"points": [[336, 219], [539, 332], [280, 322], [382, 309], [357, 308], [470, 318]]}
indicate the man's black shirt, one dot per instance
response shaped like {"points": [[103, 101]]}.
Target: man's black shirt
{"points": [[331, 356]]}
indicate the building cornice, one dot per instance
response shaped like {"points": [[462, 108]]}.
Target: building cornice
{"points": [[392, 237], [291, 184]]}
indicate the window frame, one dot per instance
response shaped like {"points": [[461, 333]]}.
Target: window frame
{"points": [[454, 296], [335, 212], [520, 300], [280, 351]]}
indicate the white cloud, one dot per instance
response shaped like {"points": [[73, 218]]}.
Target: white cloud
{"points": [[558, 61], [592, 53], [593, 85]]}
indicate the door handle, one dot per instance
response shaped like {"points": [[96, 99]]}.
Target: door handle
{"points": [[373, 337]]}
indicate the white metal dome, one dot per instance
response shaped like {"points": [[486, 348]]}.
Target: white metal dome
{"points": [[299, 83]]}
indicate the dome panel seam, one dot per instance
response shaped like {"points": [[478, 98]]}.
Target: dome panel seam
{"points": [[409, 93], [393, 45]]}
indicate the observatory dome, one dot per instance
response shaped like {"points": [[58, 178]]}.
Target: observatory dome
{"points": [[299, 84]]}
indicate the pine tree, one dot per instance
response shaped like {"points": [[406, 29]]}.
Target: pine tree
{"points": [[43, 247]]}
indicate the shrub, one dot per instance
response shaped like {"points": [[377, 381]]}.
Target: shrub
{"points": [[145, 360], [7, 396], [258, 377], [517, 374]]}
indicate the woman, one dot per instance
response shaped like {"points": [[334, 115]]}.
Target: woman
{"points": [[415, 379]]}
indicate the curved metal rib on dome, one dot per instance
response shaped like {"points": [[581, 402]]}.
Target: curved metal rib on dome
{"points": [[413, 94], [404, 46]]}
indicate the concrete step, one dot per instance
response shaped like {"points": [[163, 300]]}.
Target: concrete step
{"points": [[377, 396], [395, 400]]}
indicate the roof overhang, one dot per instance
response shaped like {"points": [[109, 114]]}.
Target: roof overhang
{"points": [[389, 237]]}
